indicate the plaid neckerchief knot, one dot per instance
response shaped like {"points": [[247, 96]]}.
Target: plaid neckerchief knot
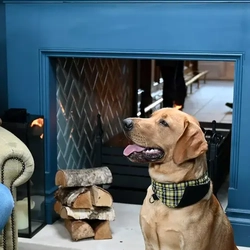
{"points": [[171, 194]]}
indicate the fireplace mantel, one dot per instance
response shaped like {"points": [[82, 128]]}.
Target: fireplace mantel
{"points": [[35, 31]]}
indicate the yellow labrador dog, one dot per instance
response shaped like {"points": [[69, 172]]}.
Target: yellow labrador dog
{"points": [[180, 211]]}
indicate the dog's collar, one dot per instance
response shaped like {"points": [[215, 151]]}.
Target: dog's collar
{"points": [[183, 194]]}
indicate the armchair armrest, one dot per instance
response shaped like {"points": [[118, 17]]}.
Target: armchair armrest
{"points": [[16, 161]]}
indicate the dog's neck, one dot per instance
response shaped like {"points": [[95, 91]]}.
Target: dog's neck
{"points": [[171, 173], [180, 186], [183, 194]]}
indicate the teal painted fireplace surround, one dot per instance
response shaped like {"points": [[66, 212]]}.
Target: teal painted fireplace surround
{"points": [[35, 31]]}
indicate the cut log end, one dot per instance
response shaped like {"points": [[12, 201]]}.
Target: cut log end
{"points": [[60, 179], [57, 207], [83, 201], [64, 215], [79, 229], [101, 197], [102, 230]]}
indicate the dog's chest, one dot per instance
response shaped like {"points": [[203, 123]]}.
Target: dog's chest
{"points": [[158, 213], [168, 230], [161, 232], [161, 216], [167, 227]]}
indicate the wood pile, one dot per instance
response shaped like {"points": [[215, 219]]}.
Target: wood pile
{"points": [[86, 208]]}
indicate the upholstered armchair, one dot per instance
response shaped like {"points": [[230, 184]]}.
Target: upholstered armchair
{"points": [[17, 166]]}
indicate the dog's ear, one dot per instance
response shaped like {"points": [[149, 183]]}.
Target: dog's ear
{"points": [[190, 145]]}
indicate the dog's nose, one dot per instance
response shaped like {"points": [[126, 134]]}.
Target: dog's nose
{"points": [[128, 124]]}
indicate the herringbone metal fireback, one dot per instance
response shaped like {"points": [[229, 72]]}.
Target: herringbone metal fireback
{"points": [[86, 87]]}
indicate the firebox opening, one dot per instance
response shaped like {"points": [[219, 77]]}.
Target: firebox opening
{"points": [[119, 88]]}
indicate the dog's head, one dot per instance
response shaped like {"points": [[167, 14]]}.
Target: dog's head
{"points": [[168, 135]]}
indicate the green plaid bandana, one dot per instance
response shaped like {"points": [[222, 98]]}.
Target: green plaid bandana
{"points": [[171, 194]]}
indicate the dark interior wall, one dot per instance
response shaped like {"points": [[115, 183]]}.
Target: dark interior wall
{"points": [[86, 87], [3, 62]]}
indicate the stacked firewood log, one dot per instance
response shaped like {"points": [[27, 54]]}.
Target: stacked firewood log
{"points": [[86, 207]]}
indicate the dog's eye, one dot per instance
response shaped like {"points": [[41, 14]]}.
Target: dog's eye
{"points": [[163, 123]]}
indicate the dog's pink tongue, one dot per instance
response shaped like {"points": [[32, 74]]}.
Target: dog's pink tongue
{"points": [[132, 148]]}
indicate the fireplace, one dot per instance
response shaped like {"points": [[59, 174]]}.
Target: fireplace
{"points": [[38, 33]]}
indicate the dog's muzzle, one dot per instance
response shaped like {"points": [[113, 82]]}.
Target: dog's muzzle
{"points": [[139, 153]]}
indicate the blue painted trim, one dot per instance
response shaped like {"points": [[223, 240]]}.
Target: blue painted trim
{"points": [[121, 1], [45, 89], [3, 60], [47, 80], [137, 54], [243, 215], [51, 190], [240, 220], [235, 142], [47, 107], [43, 78], [50, 214], [241, 232]]}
